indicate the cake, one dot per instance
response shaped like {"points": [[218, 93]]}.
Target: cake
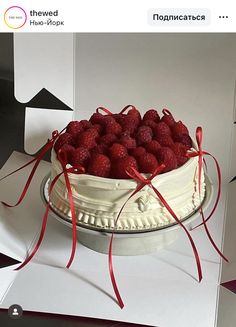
{"points": [[106, 146]]}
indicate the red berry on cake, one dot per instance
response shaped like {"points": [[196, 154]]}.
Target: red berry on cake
{"points": [[135, 114], [67, 150], [128, 142], [144, 135], [165, 140], [151, 115], [161, 129], [167, 157], [100, 148], [147, 163], [167, 118], [180, 151], [74, 127], [137, 152], [129, 123], [107, 139], [152, 146], [96, 118], [120, 166], [149, 123], [86, 139], [64, 138], [80, 157], [117, 151], [184, 139], [113, 127], [99, 165], [179, 128], [86, 124]]}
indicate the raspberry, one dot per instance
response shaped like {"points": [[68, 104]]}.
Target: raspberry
{"points": [[137, 152], [151, 115], [86, 124], [119, 118], [113, 127], [67, 149], [184, 139], [165, 140], [117, 151], [179, 128], [167, 157], [64, 138], [135, 114], [74, 127], [149, 123], [98, 127], [99, 165], [100, 148], [86, 140], [180, 151], [129, 123], [128, 142], [161, 129], [80, 156], [107, 139], [108, 119], [179, 148], [120, 166], [168, 119], [96, 118], [147, 163], [93, 131], [153, 146], [144, 135]]}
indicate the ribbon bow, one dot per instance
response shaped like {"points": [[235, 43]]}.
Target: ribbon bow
{"points": [[133, 173]]}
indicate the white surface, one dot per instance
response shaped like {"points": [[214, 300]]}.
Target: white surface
{"points": [[161, 282], [44, 61], [39, 124]]}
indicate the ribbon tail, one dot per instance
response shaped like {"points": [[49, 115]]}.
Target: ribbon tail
{"points": [[73, 214], [15, 171], [111, 269], [43, 227], [45, 149], [185, 229]]}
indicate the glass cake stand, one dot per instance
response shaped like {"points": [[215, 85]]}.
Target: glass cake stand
{"points": [[133, 242]]}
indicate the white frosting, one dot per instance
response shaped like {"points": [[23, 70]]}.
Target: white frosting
{"points": [[98, 200]]}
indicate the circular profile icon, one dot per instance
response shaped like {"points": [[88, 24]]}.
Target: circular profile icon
{"points": [[15, 311], [15, 17]]}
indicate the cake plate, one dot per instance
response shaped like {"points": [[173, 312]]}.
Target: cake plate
{"points": [[127, 242]]}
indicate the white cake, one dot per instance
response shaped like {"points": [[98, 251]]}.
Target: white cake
{"points": [[98, 200]]}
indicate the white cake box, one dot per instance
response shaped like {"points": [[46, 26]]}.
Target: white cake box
{"points": [[86, 71]]}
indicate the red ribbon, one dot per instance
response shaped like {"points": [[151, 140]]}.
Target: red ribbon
{"points": [[108, 112], [129, 106], [37, 160], [133, 173], [200, 153]]}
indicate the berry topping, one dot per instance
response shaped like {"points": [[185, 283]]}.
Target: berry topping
{"points": [[64, 138], [80, 156], [137, 152], [128, 142], [74, 127], [161, 129], [144, 135], [165, 140], [117, 151], [99, 165], [107, 139], [179, 128], [151, 115], [120, 166], [167, 157], [86, 140], [153, 146], [147, 163]]}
